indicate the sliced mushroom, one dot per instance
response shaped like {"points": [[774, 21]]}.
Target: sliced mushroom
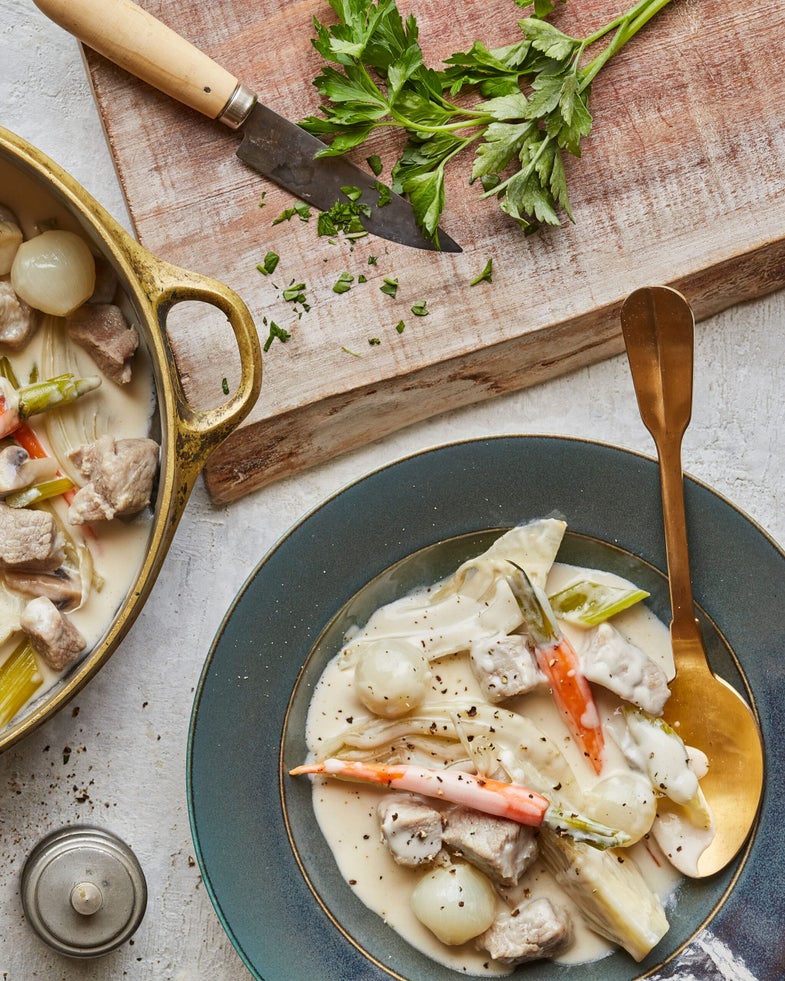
{"points": [[18, 469], [63, 586]]}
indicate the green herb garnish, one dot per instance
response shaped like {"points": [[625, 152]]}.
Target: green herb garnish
{"points": [[533, 107], [276, 332], [269, 264], [344, 283], [486, 275], [294, 292], [344, 216], [385, 194], [301, 210], [390, 287], [420, 309]]}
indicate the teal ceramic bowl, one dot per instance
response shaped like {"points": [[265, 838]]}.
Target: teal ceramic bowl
{"points": [[268, 870]]}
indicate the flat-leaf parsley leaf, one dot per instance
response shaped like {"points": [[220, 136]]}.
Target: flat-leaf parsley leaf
{"points": [[533, 108]]}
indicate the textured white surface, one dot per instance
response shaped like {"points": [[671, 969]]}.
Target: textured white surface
{"points": [[116, 755]]}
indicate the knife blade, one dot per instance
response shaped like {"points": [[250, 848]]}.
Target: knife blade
{"points": [[138, 42]]}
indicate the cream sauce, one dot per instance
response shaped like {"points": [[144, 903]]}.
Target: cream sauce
{"points": [[117, 547], [346, 812]]}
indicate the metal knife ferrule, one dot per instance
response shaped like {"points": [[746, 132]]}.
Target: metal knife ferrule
{"points": [[239, 107]]}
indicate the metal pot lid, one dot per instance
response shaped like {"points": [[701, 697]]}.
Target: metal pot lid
{"points": [[83, 891]]}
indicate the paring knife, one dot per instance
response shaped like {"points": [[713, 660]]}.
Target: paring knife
{"points": [[139, 43]]}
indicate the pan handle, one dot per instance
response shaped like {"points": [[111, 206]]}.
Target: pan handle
{"points": [[199, 431], [139, 43]]}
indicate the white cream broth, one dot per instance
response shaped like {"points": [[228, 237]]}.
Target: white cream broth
{"points": [[346, 812], [117, 547]]}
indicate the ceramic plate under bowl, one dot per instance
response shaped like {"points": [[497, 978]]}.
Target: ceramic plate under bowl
{"points": [[269, 872]]}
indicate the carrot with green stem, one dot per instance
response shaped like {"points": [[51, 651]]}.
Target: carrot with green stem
{"points": [[559, 663], [495, 797]]}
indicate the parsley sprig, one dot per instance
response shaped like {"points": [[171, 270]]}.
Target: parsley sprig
{"points": [[533, 103]]}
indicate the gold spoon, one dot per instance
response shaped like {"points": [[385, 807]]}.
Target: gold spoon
{"points": [[705, 710]]}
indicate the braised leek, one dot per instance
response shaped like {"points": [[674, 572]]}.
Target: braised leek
{"points": [[609, 890], [588, 603], [20, 678]]}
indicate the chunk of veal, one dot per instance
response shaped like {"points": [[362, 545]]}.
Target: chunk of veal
{"points": [[18, 321], [610, 660], [411, 829], [29, 540], [500, 848], [51, 634], [505, 666], [102, 330], [18, 469], [534, 929], [120, 476]]}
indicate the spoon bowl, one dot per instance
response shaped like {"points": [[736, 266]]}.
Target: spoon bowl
{"points": [[703, 709]]}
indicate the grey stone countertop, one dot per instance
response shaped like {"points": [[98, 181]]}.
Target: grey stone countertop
{"points": [[115, 756]]}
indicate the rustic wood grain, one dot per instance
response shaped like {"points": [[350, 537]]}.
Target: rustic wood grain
{"points": [[681, 182]]}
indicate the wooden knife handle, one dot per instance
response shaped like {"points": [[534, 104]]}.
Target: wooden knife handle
{"points": [[135, 40]]}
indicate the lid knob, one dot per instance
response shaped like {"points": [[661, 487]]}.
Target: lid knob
{"points": [[86, 898]]}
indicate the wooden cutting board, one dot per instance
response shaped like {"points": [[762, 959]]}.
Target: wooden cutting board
{"points": [[681, 182]]}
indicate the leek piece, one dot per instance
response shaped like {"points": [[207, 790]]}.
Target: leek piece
{"points": [[20, 678], [588, 603], [7, 371], [60, 390], [610, 891], [11, 606], [39, 492], [583, 828], [663, 755]]}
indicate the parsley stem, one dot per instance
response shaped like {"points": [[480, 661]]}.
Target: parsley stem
{"points": [[627, 26]]}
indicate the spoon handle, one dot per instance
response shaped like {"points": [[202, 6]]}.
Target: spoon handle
{"points": [[657, 324]]}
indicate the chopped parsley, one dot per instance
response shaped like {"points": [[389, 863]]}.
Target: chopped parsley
{"points": [[344, 283], [384, 192], [275, 332], [294, 292], [301, 210], [389, 286], [269, 264], [486, 275], [344, 216], [420, 309]]}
